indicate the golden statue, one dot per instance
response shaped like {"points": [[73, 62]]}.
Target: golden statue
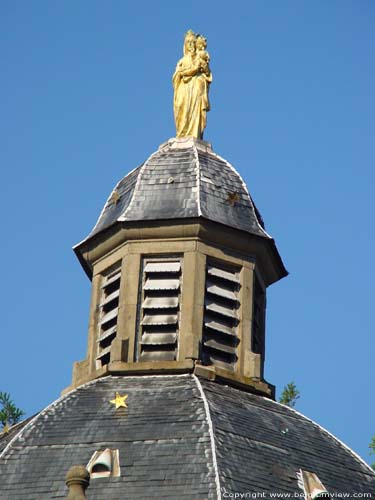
{"points": [[191, 82]]}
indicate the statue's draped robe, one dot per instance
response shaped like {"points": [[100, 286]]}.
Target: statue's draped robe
{"points": [[190, 99]]}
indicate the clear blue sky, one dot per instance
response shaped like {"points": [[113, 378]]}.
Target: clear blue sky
{"points": [[86, 96]]}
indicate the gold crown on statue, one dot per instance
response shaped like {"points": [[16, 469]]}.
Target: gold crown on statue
{"points": [[190, 35]]}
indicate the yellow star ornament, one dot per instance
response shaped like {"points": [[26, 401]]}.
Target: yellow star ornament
{"points": [[114, 199], [119, 401], [6, 429]]}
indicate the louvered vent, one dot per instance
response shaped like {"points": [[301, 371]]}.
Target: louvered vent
{"points": [[258, 318], [108, 316], [220, 333], [160, 310]]}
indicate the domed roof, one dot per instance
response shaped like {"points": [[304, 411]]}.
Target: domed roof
{"points": [[183, 179], [179, 437]]}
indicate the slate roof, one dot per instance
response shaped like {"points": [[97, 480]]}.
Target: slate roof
{"points": [[184, 178], [261, 444], [180, 438]]}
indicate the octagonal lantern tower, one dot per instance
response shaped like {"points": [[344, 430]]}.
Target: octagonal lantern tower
{"points": [[180, 262]]}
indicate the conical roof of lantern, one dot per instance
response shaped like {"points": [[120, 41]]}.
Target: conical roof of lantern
{"points": [[183, 179]]}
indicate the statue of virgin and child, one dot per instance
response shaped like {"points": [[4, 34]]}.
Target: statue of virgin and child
{"points": [[191, 82]]}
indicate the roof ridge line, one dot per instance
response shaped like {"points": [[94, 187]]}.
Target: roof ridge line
{"points": [[212, 436], [246, 191], [40, 414], [198, 169], [106, 204], [358, 457], [101, 213]]}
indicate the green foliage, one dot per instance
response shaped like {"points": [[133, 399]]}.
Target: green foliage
{"points": [[9, 413], [372, 448], [289, 395]]}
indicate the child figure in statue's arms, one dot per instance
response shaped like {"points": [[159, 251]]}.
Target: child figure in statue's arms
{"points": [[203, 57]]}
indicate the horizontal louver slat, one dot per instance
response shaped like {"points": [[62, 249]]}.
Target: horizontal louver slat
{"points": [[103, 352], [160, 319], [259, 297], [220, 346], [112, 279], [163, 267], [159, 338], [158, 355], [221, 309], [160, 311], [109, 316], [109, 298], [221, 292], [218, 361], [221, 316], [160, 303], [160, 328], [213, 325], [106, 333], [220, 273], [162, 284]]}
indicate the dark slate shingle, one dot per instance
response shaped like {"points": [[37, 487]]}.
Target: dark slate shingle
{"points": [[165, 445], [162, 438], [182, 182], [261, 445]]}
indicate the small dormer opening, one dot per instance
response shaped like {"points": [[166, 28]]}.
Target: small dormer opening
{"points": [[259, 310], [311, 485], [159, 314], [220, 329], [104, 463], [100, 469], [108, 315]]}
